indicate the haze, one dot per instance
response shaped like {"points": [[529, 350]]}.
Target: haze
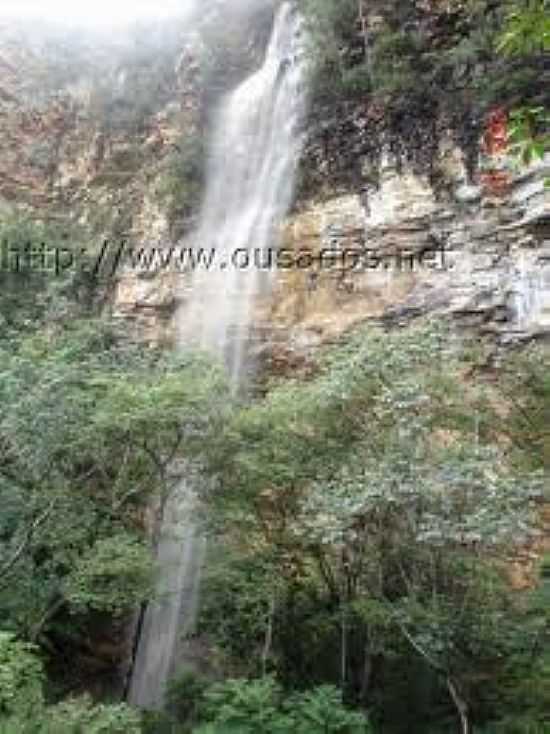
{"points": [[98, 12]]}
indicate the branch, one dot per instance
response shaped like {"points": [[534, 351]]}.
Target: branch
{"points": [[268, 634], [8, 566], [419, 649], [50, 612]]}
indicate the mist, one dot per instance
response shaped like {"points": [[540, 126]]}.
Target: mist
{"points": [[103, 14], [99, 13]]}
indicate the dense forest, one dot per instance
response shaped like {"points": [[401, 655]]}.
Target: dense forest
{"points": [[376, 561]]}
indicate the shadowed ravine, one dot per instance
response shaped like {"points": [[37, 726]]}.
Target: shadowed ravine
{"points": [[254, 151]]}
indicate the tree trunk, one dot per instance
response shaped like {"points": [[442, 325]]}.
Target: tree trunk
{"points": [[268, 635], [344, 650], [367, 675], [461, 707], [366, 38]]}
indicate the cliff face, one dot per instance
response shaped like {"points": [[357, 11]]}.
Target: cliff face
{"points": [[105, 135], [478, 257], [472, 253], [109, 134], [477, 251], [88, 123]]}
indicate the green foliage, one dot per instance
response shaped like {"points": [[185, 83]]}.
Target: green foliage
{"points": [[525, 385], [421, 72], [114, 576], [90, 424], [180, 183], [237, 596], [90, 433], [185, 698], [22, 707], [527, 31], [21, 677], [28, 282], [364, 517], [244, 706], [258, 707], [393, 45], [521, 694], [76, 716], [527, 144], [321, 710], [81, 716], [251, 706], [331, 24]]}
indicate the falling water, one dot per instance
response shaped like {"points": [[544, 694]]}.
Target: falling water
{"points": [[170, 618], [254, 151], [529, 287]]}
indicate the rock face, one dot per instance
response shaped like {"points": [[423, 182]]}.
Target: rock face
{"points": [[87, 121], [101, 142], [478, 256], [105, 136]]}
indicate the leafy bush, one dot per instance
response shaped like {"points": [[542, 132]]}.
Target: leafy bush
{"points": [[90, 422], [179, 186], [114, 576], [259, 707], [185, 698], [22, 707], [21, 677], [81, 716]]}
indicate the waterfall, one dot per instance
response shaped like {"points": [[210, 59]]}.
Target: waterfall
{"points": [[167, 620], [254, 150], [250, 176]]}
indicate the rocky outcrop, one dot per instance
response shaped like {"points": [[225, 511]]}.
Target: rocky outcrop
{"points": [[90, 124], [105, 137], [100, 143], [478, 256]]}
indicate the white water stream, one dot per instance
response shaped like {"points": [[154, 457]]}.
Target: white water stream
{"points": [[253, 156], [254, 150]]}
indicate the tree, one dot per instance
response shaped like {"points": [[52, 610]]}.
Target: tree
{"points": [[524, 390], [115, 575], [527, 32], [259, 706], [90, 431], [372, 507], [405, 543], [21, 677]]}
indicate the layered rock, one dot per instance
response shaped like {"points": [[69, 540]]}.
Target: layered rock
{"points": [[87, 120], [402, 251], [477, 256], [77, 145]]}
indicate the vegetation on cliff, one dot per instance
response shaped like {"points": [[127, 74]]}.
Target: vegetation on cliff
{"points": [[407, 75], [368, 522], [364, 521], [89, 429]]}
